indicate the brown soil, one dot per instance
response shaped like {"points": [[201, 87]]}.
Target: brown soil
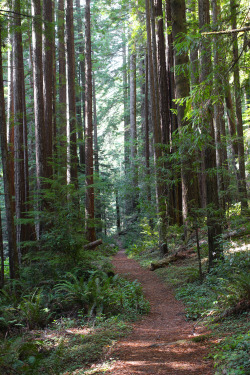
{"points": [[160, 342]]}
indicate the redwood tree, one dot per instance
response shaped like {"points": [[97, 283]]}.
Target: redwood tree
{"points": [[89, 170]]}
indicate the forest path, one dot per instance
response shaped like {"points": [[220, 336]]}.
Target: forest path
{"points": [[159, 343]]}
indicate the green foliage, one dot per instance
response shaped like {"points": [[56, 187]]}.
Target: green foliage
{"points": [[148, 239], [103, 294], [33, 312], [232, 355]]}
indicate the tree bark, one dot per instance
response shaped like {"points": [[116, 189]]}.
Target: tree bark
{"points": [[237, 93], [21, 180], [213, 210], [70, 67], [13, 254], [125, 104], [160, 196], [190, 192], [62, 126], [175, 193], [48, 84], [38, 92], [221, 150], [90, 205], [162, 74], [80, 50], [133, 132]]}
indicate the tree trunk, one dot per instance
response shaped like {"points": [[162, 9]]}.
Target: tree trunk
{"points": [[190, 192], [125, 106], [133, 132], [145, 125], [175, 193], [90, 207], [98, 207], [80, 129], [62, 126], [237, 93], [221, 151], [21, 180], [48, 84], [38, 92], [70, 67], [118, 216], [213, 209], [162, 75], [160, 197], [13, 254]]}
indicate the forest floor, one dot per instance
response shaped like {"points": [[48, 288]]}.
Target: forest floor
{"points": [[161, 343]]}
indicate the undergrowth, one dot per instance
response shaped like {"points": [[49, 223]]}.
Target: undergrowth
{"points": [[64, 316], [221, 301]]}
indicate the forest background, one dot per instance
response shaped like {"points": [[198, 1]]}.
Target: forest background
{"points": [[119, 117]]}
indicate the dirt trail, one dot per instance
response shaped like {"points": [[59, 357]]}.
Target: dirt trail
{"points": [[160, 343]]}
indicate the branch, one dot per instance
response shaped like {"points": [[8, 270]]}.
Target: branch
{"points": [[15, 13], [226, 31]]}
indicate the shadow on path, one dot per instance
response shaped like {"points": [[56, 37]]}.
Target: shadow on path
{"points": [[160, 342]]}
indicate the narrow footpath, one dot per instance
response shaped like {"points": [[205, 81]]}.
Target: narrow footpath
{"points": [[159, 343]]}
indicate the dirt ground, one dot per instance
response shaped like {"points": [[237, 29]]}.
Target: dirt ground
{"points": [[159, 343]]}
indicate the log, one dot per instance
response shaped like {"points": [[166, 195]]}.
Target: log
{"points": [[166, 261], [92, 245], [236, 234], [178, 255]]}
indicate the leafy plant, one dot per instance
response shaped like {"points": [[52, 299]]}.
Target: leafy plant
{"points": [[33, 311], [232, 355]]}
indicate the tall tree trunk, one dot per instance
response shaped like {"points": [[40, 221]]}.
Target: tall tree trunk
{"points": [[13, 254], [96, 148], [133, 132], [70, 67], [118, 216], [221, 151], [48, 83], [237, 93], [10, 108], [175, 193], [38, 92], [194, 81], [98, 207], [145, 125], [80, 129], [213, 210], [18, 91], [162, 74], [125, 106], [146, 136], [160, 197], [62, 126], [190, 192], [90, 206]]}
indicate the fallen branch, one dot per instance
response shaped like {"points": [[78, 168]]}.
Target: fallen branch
{"points": [[92, 245], [247, 28], [182, 253], [236, 234]]}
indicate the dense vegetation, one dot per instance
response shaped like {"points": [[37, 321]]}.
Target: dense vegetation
{"points": [[131, 119]]}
